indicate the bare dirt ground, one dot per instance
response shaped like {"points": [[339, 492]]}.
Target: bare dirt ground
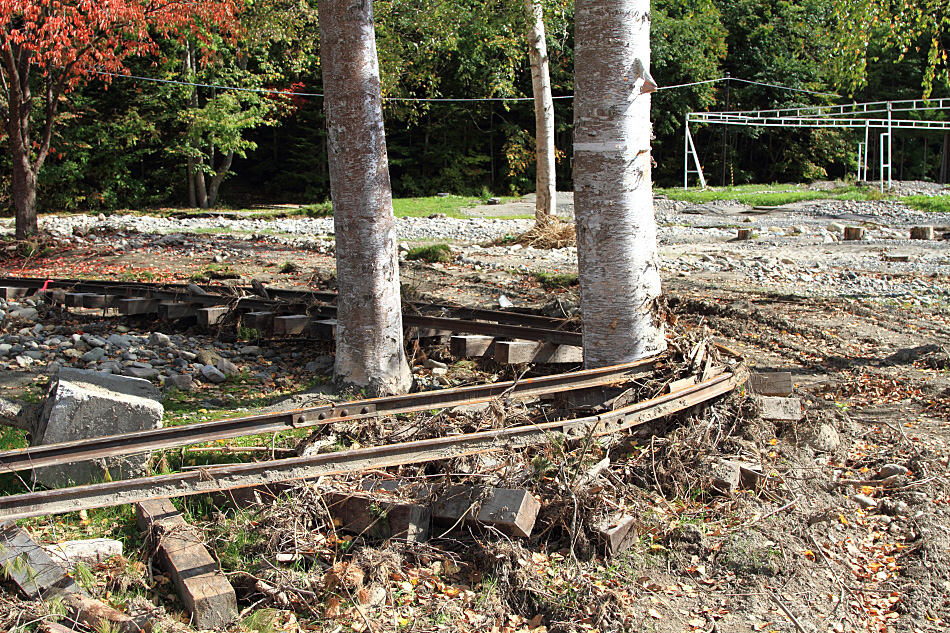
{"points": [[847, 528]]}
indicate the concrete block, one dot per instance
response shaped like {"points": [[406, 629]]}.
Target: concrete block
{"points": [[85, 404], [780, 409], [724, 476], [852, 233], [617, 534], [88, 552], [204, 591]]}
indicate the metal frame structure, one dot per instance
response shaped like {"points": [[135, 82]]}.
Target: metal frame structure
{"points": [[874, 114]]}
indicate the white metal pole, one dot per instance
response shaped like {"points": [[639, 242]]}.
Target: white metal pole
{"points": [[686, 153], [867, 149], [889, 145]]}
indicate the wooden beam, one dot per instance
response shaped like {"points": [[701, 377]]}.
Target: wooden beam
{"points": [[511, 511], [516, 352], [291, 324], [137, 305], [30, 567], [472, 346], [324, 330], [205, 592], [378, 518], [211, 316], [773, 383], [177, 309], [260, 321]]}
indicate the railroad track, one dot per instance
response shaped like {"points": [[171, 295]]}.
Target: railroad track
{"points": [[282, 311]]}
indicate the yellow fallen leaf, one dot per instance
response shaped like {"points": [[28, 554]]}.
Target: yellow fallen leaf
{"points": [[655, 614]]}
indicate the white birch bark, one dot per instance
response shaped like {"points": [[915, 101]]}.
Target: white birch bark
{"points": [[618, 261], [369, 341], [545, 183]]}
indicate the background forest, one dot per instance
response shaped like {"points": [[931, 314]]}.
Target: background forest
{"points": [[128, 142]]}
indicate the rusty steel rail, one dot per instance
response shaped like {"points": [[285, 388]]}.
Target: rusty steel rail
{"points": [[178, 436], [281, 298], [218, 478]]}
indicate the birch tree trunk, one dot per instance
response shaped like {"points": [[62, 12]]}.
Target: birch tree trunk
{"points": [[545, 182], [618, 262], [369, 343]]}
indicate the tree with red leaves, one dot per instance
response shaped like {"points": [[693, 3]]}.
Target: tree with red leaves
{"points": [[48, 47]]}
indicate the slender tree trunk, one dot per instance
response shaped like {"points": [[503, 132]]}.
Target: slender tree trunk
{"points": [[369, 344], [215, 185], [618, 260], [545, 183], [188, 69], [945, 158], [201, 190]]}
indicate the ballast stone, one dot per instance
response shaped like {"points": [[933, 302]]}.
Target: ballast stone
{"points": [[82, 405]]}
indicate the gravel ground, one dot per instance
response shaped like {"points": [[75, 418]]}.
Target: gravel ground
{"points": [[797, 248]]}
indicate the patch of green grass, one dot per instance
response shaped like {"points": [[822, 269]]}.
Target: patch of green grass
{"points": [[770, 195], [553, 281], [431, 253], [928, 204], [137, 275], [289, 267], [451, 206], [318, 210]]}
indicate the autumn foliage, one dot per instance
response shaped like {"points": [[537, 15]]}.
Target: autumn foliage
{"points": [[57, 44]]}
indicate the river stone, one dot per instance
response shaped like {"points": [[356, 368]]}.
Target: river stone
{"points": [[86, 404], [141, 372], [159, 340], [27, 314], [227, 368], [182, 382], [93, 355], [118, 341], [207, 357], [213, 374]]}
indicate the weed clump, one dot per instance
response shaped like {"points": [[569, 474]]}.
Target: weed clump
{"points": [[553, 281], [431, 253]]}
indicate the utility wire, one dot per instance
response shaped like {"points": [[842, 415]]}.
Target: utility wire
{"points": [[443, 99]]}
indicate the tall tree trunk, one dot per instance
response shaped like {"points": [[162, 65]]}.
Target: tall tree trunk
{"points": [[24, 192], [545, 183], [188, 68], [369, 343], [617, 252]]}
